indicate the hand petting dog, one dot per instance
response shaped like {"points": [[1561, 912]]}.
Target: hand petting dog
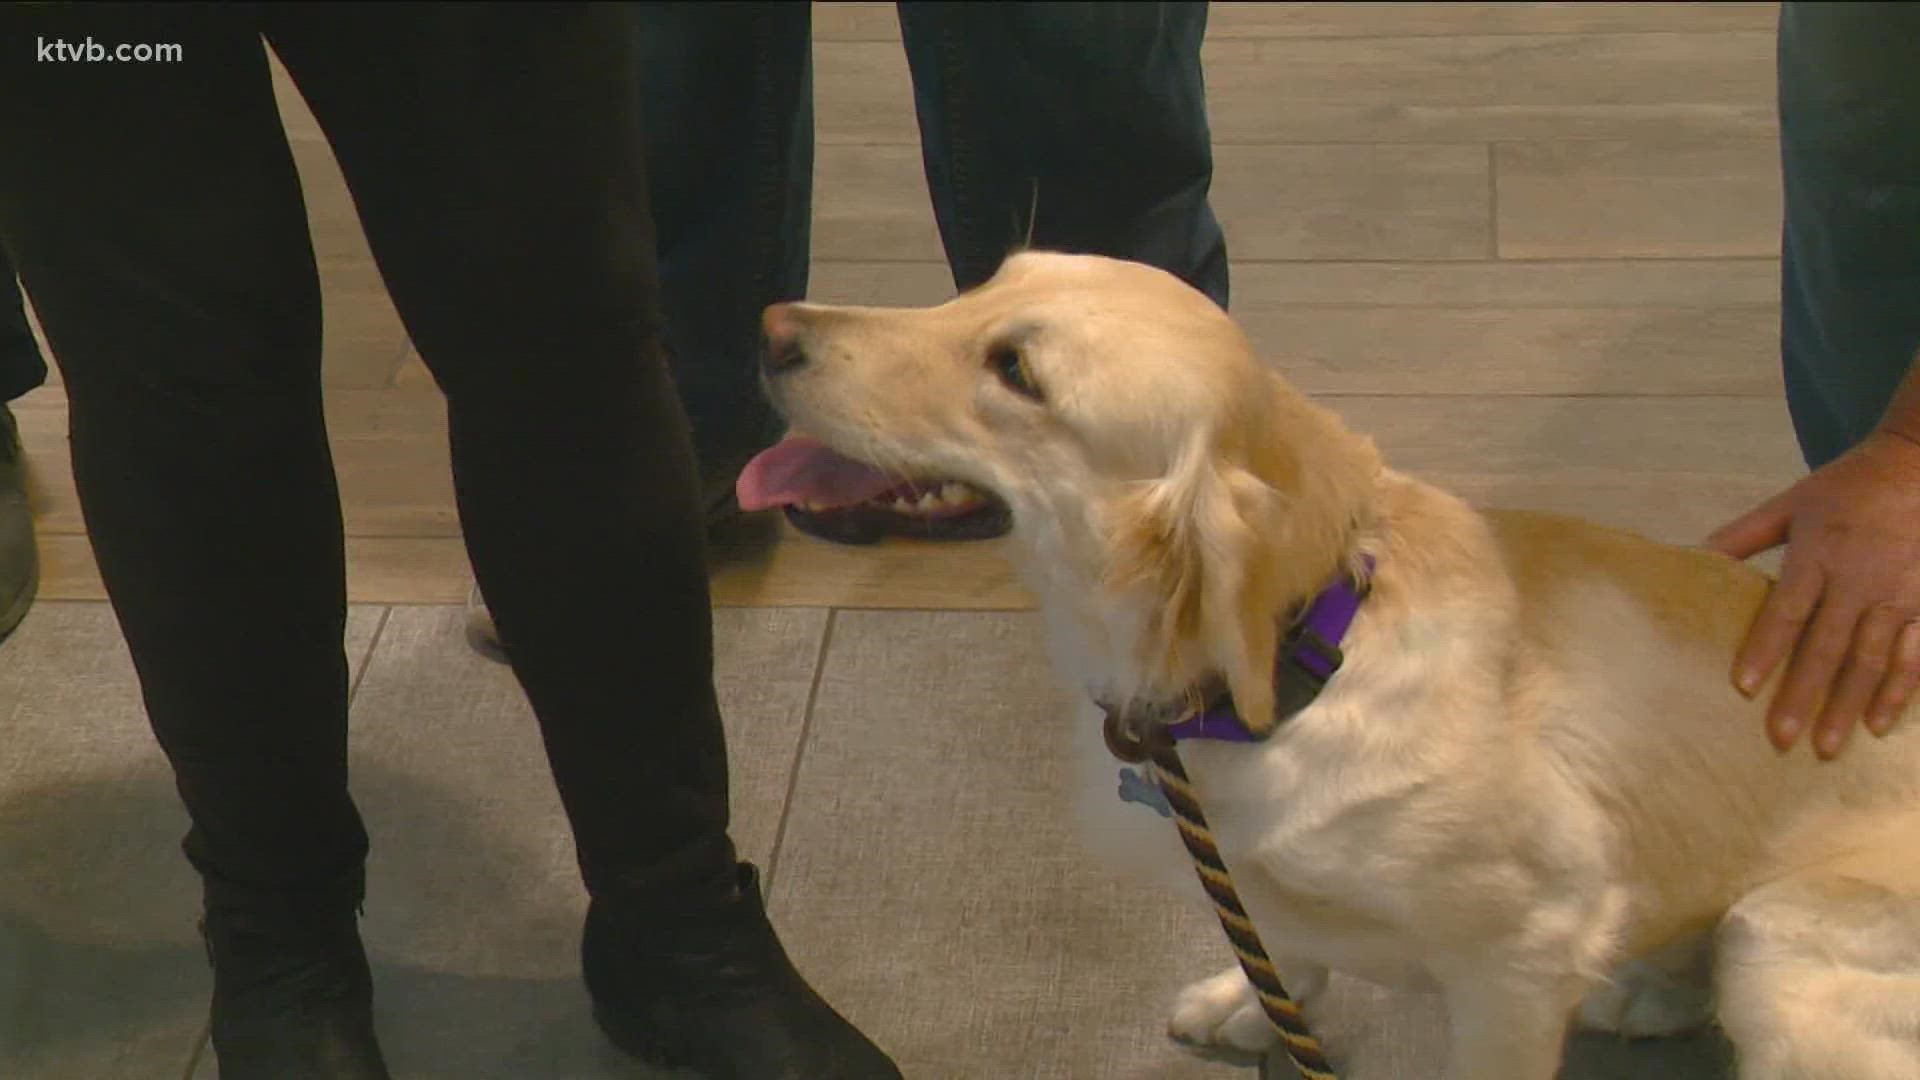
{"points": [[1845, 615]]}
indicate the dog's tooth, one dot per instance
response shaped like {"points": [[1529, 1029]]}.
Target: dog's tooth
{"points": [[956, 493], [928, 500], [901, 504]]}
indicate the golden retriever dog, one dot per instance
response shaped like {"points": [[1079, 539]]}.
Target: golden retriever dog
{"points": [[1532, 786]]}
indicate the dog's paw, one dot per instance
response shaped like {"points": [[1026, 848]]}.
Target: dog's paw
{"points": [[1222, 1013], [1642, 1003]]}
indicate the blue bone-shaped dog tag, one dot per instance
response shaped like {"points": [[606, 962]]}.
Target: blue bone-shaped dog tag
{"points": [[1138, 789]]}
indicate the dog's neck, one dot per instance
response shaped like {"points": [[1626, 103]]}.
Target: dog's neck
{"points": [[1150, 590], [1095, 635], [1100, 635], [1311, 653]]}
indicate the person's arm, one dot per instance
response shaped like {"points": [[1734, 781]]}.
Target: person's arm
{"points": [[1846, 612]]}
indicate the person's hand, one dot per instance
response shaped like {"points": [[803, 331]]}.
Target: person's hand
{"points": [[1847, 607]]}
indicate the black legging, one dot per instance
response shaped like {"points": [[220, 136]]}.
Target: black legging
{"points": [[21, 368], [494, 155]]}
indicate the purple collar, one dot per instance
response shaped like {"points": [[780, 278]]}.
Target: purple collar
{"points": [[1308, 657]]}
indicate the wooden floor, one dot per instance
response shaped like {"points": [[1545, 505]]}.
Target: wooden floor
{"points": [[1530, 247]]}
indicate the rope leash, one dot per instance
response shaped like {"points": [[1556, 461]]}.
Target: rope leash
{"points": [[1302, 1048], [1309, 656]]}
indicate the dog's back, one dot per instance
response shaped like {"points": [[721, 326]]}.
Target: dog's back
{"points": [[1640, 638]]}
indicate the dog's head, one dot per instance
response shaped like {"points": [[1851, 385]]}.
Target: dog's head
{"points": [[1145, 451]]}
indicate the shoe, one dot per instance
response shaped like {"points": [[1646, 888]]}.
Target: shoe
{"points": [[713, 991], [482, 634], [292, 997], [19, 559]]}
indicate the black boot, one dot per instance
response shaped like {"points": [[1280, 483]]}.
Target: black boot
{"points": [[292, 997], [712, 990]]}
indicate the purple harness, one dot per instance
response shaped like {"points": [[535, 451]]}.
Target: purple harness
{"points": [[1307, 659]]}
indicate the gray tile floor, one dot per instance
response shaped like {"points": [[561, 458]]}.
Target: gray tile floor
{"points": [[903, 776], [907, 823]]}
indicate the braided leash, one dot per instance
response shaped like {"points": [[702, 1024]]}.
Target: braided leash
{"points": [[1308, 657], [1302, 1048]]}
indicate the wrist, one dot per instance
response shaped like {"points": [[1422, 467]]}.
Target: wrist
{"points": [[1898, 451], [1904, 428], [1902, 418]]}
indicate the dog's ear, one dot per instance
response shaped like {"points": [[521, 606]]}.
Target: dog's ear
{"points": [[1237, 535], [1191, 549]]}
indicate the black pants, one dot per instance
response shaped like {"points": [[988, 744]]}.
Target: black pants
{"points": [[494, 155], [21, 366]]}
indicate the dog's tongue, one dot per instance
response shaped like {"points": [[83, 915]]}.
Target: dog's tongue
{"points": [[801, 470]]}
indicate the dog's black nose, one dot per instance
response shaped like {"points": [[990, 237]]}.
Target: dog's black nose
{"points": [[780, 347]]}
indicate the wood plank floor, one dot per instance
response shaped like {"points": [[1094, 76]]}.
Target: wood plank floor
{"points": [[1530, 247]]}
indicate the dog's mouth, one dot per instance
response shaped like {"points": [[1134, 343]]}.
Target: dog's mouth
{"points": [[805, 473]]}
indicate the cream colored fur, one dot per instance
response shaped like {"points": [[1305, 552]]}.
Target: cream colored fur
{"points": [[1531, 787]]}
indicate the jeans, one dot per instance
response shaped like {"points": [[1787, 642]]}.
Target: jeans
{"points": [[21, 366], [1850, 259], [495, 157], [1101, 105]]}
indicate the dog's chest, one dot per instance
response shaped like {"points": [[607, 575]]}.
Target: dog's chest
{"points": [[1262, 802], [1272, 805], [1306, 839], [1311, 847]]}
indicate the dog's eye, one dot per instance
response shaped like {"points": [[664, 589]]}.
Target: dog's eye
{"points": [[1010, 367]]}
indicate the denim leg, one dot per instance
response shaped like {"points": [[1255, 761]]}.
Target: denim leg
{"points": [[1850, 156], [21, 366], [727, 101], [1102, 104]]}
